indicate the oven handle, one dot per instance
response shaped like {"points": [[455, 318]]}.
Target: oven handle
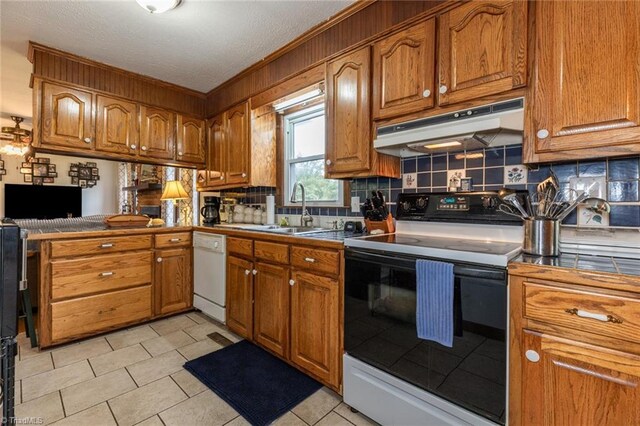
{"points": [[409, 263]]}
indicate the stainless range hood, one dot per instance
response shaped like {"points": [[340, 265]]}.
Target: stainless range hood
{"points": [[491, 125]]}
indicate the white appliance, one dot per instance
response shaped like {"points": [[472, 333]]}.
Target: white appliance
{"points": [[481, 127], [209, 274]]}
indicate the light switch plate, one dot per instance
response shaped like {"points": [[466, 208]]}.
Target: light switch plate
{"points": [[355, 204], [595, 186]]}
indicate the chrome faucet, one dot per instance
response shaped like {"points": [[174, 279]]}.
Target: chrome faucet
{"points": [[305, 218]]}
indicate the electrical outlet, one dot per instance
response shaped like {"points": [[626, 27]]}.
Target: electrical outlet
{"points": [[355, 204]]}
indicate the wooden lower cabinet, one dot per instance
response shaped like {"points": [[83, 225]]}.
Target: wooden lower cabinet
{"points": [[240, 296], [271, 307], [315, 325], [173, 283], [573, 383]]}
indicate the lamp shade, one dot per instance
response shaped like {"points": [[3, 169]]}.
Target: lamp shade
{"points": [[173, 190]]}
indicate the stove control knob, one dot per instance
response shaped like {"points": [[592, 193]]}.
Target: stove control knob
{"points": [[422, 202], [405, 206], [489, 202]]}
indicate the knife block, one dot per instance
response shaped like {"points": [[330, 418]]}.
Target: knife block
{"points": [[387, 225]]}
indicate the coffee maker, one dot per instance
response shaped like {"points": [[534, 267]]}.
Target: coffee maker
{"points": [[211, 210]]}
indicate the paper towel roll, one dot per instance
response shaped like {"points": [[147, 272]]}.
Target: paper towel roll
{"points": [[271, 209]]}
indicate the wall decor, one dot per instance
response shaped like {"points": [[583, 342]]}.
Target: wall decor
{"points": [[3, 171], [84, 175], [38, 171]]}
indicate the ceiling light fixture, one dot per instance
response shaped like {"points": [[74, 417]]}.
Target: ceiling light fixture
{"points": [[298, 99], [443, 145], [20, 140], [158, 6]]}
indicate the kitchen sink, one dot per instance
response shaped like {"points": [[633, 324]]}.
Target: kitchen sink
{"points": [[293, 230]]}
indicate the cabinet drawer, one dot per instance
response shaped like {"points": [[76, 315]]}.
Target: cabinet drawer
{"points": [[99, 245], [78, 277], [240, 246], [87, 315], [313, 259], [174, 239], [273, 252], [609, 315]]}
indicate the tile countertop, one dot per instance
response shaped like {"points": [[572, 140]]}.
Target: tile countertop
{"points": [[584, 263]]}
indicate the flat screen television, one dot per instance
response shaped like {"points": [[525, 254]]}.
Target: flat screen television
{"points": [[42, 201]]}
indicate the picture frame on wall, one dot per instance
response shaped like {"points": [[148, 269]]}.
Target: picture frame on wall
{"points": [[28, 178], [44, 160], [26, 170], [73, 173], [74, 180], [84, 173], [73, 168], [91, 164], [37, 180], [26, 165], [52, 175], [52, 168], [40, 170], [82, 183], [47, 180]]}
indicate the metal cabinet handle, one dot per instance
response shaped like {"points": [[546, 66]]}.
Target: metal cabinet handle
{"points": [[599, 317], [133, 146], [159, 260], [426, 93], [144, 148], [106, 274], [291, 282], [309, 259], [542, 134], [174, 240], [255, 271], [106, 245], [328, 162], [247, 272], [443, 89], [87, 140]]}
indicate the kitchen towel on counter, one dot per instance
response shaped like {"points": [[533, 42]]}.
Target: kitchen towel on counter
{"points": [[434, 310]]}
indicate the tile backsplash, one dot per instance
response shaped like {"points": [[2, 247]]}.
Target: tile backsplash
{"points": [[502, 166]]}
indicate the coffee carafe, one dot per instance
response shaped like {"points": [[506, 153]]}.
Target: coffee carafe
{"points": [[211, 210]]}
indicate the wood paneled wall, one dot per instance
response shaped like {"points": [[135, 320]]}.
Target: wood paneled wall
{"points": [[55, 64], [362, 22]]}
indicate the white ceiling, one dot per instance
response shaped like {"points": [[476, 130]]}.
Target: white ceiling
{"points": [[199, 45]]}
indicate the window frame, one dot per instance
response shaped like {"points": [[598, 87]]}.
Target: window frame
{"points": [[289, 121]]}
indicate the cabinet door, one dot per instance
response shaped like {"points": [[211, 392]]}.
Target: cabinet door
{"points": [[587, 79], [190, 146], [574, 383], [66, 117], [216, 160], [314, 325], [237, 144], [404, 71], [173, 280], [157, 133], [271, 308], [240, 296], [348, 113], [482, 50], [116, 126]]}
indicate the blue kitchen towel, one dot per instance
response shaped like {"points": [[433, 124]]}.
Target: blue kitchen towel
{"points": [[434, 310]]}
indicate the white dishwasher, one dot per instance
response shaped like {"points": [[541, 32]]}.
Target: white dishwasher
{"points": [[209, 274]]}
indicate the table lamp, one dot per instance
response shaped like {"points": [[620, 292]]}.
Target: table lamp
{"points": [[174, 191]]}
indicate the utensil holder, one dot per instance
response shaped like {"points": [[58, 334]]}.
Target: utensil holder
{"points": [[541, 237], [386, 225]]}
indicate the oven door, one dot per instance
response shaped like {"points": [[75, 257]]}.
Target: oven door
{"points": [[380, 329]]}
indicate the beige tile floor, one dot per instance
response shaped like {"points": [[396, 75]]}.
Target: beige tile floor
{"points": [[135, 377]]}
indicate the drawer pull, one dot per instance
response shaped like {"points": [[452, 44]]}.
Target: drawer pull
{"points": [[175, 240], [106, 274], [599, 317], [106, 245], [247, 272], [309, 259]]}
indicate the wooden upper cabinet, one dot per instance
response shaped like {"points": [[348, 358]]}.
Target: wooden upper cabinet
{"points": [[271, 308], [404, 71], [586, 99], [216, 152], [238, 144], [66, 117], [157, 133], [483, 49], [348, 112], [172, 280], [116, 125], [190, 141], [573, 383], [240, 296], [315, 341]]}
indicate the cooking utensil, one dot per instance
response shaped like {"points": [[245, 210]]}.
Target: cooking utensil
{"points": [[513, 200], [567, 211], [507, 209]]}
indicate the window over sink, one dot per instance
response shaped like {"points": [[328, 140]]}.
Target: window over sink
{"points": [[305, 157]]}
